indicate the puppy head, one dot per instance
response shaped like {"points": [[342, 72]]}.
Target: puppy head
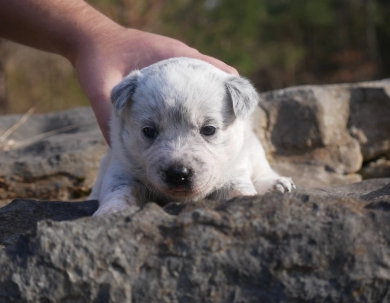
{"points": [[182, 125]]}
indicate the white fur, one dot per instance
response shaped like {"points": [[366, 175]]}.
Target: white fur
{"points": [[182, 99]]}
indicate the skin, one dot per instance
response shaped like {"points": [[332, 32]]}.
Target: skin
{"points": [[101, 51]]}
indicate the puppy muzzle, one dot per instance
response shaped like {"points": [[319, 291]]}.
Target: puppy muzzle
{"points": [[178, 178]]}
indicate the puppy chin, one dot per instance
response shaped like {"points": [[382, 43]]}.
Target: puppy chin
{"points": [[179, 194], [184, 197], [182, 193]]}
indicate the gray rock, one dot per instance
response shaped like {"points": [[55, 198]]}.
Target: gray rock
{"points": [[315, 245], [57, 166], [369, 119], [310, 175], [333, 127], [22, 216], [376, 169], [308, 124]]}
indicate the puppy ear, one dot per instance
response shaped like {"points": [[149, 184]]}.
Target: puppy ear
{"points": [[123, 92], [243, 95]]}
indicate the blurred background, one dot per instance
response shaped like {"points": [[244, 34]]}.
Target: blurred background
{"points": [[275, 43]]}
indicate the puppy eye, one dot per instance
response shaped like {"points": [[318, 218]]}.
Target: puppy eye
{"points": [[150, 132], [208, 130]]}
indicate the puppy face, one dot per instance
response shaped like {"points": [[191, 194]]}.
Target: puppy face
{"points": [[182, 123]]}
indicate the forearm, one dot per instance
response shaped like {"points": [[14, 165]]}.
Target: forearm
{"points": [[56, 26]]}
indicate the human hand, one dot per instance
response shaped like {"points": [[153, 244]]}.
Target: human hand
{"points": [[101, 51], [104, 61]]}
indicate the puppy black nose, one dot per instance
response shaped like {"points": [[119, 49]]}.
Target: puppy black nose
{"points": [[178, 174]]}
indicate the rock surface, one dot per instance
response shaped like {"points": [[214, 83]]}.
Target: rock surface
{"points": [[314, 245], [376, 169], [325, 131], [22, 216], [56, 166]]}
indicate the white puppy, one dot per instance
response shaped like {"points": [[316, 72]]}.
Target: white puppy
{"points": [[181, 131]]}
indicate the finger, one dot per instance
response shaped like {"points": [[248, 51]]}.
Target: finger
{"points": [[102, 110], [186, 51], [218, 63], [98, 91]]}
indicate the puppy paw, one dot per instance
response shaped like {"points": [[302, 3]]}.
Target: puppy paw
{"points": [[283, 184]]}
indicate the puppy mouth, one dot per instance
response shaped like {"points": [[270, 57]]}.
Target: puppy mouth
{"points": [[183, 190], [180, 190], [187, 191]]}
